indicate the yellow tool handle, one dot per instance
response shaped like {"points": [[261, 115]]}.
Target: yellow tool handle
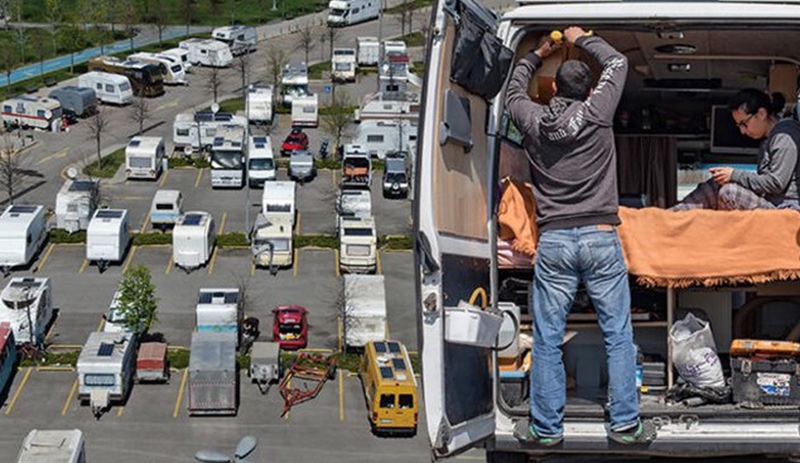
{"points": [[558, 36]]}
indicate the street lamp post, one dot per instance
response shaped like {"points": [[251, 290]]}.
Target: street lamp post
{"points": [[247, 166]]}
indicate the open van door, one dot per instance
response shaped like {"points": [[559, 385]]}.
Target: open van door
{"points": [[466, 66]]}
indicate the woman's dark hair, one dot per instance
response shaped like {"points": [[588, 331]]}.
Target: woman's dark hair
{"points": [[750, 100]]}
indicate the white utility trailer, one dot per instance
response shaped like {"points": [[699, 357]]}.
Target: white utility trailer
{"points": [[265, 364], [53, 446], [193, 240], [23, 231], [75, 204], [107, 237]]}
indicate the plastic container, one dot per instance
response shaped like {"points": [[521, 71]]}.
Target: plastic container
{"points": [[468, 324], [756, 383]]}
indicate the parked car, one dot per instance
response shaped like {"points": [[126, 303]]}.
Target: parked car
{"points": [[296, 140], [290, 326]]}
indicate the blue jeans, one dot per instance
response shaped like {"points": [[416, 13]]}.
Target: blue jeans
{"points": [[564, 258]]}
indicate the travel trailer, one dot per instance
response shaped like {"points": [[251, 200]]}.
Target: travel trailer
{"points": [[75, 204], [356, 167], [196, 131], [389, 105], [105, 367], [53, 446], [107, 237], [23, 231], [305, 111], [294, 82], [278, 199], [343, 64], [358, 242], [193, 240], [259, 104], [379, 137], [365, 310], [213, 380], [301, 166], [369, 51], [109, 88], [261, 161], [219, 310], [166, 208], [27, 305], [396, 47], [354, 203], [146, 79], [272, 241], [81, 102], [208, 52], [29, 112], [144, 157], [174, 74], [240, 39], [348, 12], [228, 157], [182, 55]]}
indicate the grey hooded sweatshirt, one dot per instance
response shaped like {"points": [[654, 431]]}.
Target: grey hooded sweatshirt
{"points": [[570, 143]]}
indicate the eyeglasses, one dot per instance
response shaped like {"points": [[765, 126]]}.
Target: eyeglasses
{"points": [[743, 123]]}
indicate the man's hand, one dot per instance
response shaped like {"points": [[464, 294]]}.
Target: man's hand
{"points": [[574, 33], [546, 48], [721, 175]]}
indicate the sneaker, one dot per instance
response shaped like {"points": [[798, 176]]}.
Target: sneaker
{"points": [[524, 432], [643, 433]]}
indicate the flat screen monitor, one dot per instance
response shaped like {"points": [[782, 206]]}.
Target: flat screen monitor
{"points": [[726, 138]]}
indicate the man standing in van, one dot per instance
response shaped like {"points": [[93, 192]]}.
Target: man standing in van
{"points": [[570, 145]]}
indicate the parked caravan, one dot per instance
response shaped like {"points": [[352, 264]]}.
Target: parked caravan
{"points": [[278, 199], [23, 231], [107, 237], [109, 88], [396, 47], [208, 52], [105, 369], [240, 39], [390, 387], [229, 157], [343, 64], [259, 104], [219, 310], [356, 167], [369, 51], [166, 208], [348, 12], [272, 241], [393, 73], [174, 74], [144, 157], [261, 161], [213, 384], [358, 242], [196, 131], [182, 55], [193, 240], [395, 176], [389, 105], [379, 137], [301, 166], [305, 111], [27, 301], [75, 204], [27, 112], [77, 101], [8, 356], [294, 82], [146, 79], [365, 310], [354, 203], [53, 446]]}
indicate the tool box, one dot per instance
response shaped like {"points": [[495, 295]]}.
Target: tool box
{"points": [[765, 373]]}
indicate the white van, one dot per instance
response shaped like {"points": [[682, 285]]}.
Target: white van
{"points": [[53, 446], [23, 231], [349, 12], [305, 111], [278, 199], [32, 112], [175, 74], [259, 104], [358, 242], [261, 161], [240, 39], [193, 240], [166, 208], [110, 88], [208, 52], [144, 157], [182, 55], [343, 64]]}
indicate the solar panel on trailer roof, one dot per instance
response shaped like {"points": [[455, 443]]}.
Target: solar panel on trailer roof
{"points": [[22, 209], [105, 350], [81, 185], [399, 364], [394, 347], [109, 214], [380, 347], [193, 219]]}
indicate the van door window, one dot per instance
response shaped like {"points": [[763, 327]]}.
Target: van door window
{"points": [[406, 401], [387, 401], [163, 207], [182, 132]]}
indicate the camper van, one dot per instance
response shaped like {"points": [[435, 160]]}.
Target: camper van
{"points": [[272, 245], [196, 131], [356, 167], [390, 387], [378, 137], [219, 310], [305, 111], [75, 204], [147, 80], [207, 52], [174, 72], [358, 242], [107, 237], [343, 64], [180, 54], [348, 12], [53, 446], [23, 231], [105, 367], [193, 240], [228, 157], [259, 104], [27, 112], [389, 106], [144, 157], [77, 101], [279, 199], [240, 39], [166, 208], [294, 82], [261, 161], [368, 51], [27, 302], [109, 88]]}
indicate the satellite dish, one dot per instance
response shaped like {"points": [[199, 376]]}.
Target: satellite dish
{"points": [[246, 446], [187, 150], [215, 108], [72, 173], [209, 456]]}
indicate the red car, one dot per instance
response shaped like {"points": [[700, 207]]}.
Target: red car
{"points": [[296, 140], [290, 326]]}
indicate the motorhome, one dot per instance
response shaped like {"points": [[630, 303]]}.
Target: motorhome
{"points": [[301, 166], [305, 111], [75, 203], [240, 39], [393, 73], [278, 199], [213, 379], [28, 112], [358, 242], [343, 64], [272, 241], [389, 105], [294, 82], [105, 368], [356, 167], [78, 101], [196, 131], [365, 310], [207, 52], [354, 203], [147, 80], [53, 446], [182, 55], [348, 12], [109, 88], [229, 157], [219, 310], [261, 161], [259, 104], [369, 51], [379, 137], [193, 240], [395, 176], [390, 387], [107, 237], [174, 72], [396, 47], [23, 231], [28, 307], [144, 157], [166, 208]]}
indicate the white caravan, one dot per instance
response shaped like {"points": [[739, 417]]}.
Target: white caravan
{"points": [[144, 157], [393, 73], [105, 367], [389, 105], [208, 52], [182, 55], [75, 204], [228, 158], [196, 131], [378, 137], [358, 242], [193, 240], [305, 111], [219, 310], [294, 82], [174, 72], [369, 51], [23, 231], [272, 245], [259, 104], [365, 309], [166, 208], [107, 237], [354, 203], [343, 64], [109, 88], [53, 446], [240, 39], [279, 200], [28, 307], [396, 47], [347, 12], [32, 112], [261, 161]]}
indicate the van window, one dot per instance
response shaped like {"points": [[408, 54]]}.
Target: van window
{"points": [[40, 113], [406, 401], [163, 206], [374, 138], [356, 10], [203, 52], [387, 401], [20, 108], [109, 88], [241, 37]]}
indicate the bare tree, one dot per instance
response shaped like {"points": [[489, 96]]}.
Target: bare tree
{"points": [[40, 53], [12, 174], [158, 17], [213, 81], [112, 15], [129, 14], [98, 124], [54, 17], [305, 38], [187, 10], [402, 16], [243, 66], [425, 27], [276, 60], [21, 37], [7, 58], [338, 118], [141, 112], [333, 35]]}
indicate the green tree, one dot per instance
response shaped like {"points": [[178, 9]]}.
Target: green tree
{"points": [[138, 303], [187, 9], [129, 15], [276, 60], [73, 37], [338, 118], [158, 18], [8, 58]]}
